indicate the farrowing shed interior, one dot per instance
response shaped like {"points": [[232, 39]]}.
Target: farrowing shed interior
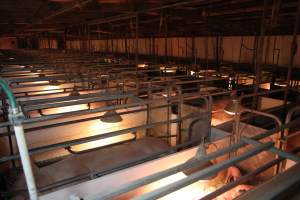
{"points": [[127, 99]]}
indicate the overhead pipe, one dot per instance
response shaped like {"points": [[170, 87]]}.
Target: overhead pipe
{"points": [[134, 13], [16, 117], [78, 4]]}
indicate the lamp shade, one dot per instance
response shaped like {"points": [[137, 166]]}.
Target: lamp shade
{"points": [[232, 108], [201, 153], [74, 93], [111, 116], [54, 82], [199, 167]]}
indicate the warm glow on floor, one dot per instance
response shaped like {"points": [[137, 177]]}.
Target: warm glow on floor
{"points": [[48, 89], [47, 92], [266, 86], [36, 82], [65, 109], [142, 65], [99, 127], [103, 142], [83, 129], [194, 191], [51, 87]]}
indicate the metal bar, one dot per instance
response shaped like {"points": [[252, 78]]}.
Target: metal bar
{"points": [[72, 102], [202, 174], [244, 178], [102, 109], [70, 81], [290, 114], [90, 139], [294, 47], [49, 78], [241, 180], [78, 121], [279, 187], [30, 74], [69, 149], [166, 39], [146, 180], [274, 117], [64, 91], [136, 39], [53, 69], [237, 120], [262, 93], [260, 49], [45, 62], [171, 80], [72, 98], [273, 150], [178, 82], [61, 84], [130, 163]]}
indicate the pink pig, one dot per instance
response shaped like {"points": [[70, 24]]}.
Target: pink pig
{"points": [[233, 173]]}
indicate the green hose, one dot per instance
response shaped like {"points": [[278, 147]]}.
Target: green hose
{"points": [[8, 92]]}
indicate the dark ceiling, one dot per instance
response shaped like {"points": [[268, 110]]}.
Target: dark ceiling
{"points": [[115, 18]]}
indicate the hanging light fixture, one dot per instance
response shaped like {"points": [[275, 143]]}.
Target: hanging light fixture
{"points": [[54, 82], [111, 116], [27, 67], [74, 92], [233, 107], [201, 152]]}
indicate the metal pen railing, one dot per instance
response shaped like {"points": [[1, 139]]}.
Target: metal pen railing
{"points": [[160, 192]]}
